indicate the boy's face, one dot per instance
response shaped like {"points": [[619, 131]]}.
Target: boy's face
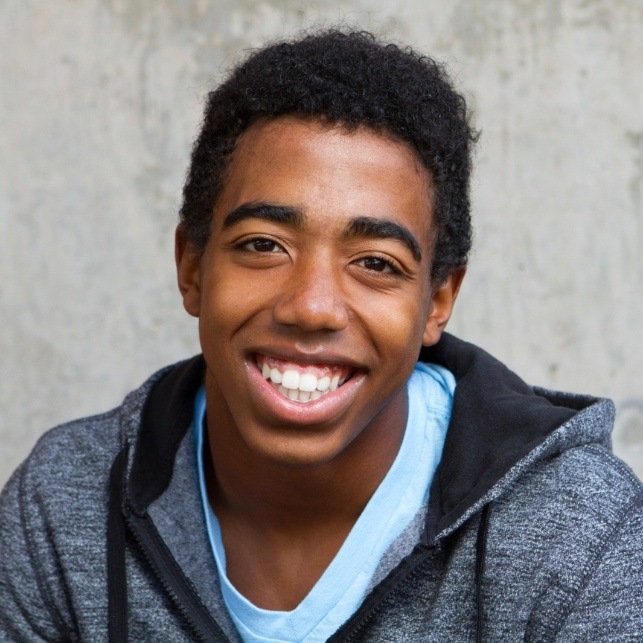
{"points": [[316, 275]]}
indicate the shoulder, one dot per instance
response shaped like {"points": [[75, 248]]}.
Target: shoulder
{"points": [[569, 500], [52, 516], [72, 461], [586, 478], [594, 553], [564, 549], [74, 450], [61, 489], [68, 465], [564, 532], [53, 519]]}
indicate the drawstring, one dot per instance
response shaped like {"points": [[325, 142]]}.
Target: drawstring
{"points": [[481, 551], [116, 575]]}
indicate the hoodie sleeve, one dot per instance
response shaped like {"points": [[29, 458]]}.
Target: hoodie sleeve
{"points": [[610, 606], [26, 610]]}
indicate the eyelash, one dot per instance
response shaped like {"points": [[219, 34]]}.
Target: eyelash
{"points": [[242, 245], [393, 269]]}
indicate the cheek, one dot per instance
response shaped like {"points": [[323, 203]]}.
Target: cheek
{"points": [[231, 304], [396, 327], [231, 297]]}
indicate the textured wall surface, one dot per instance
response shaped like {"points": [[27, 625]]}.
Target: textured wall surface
{"points": [[99, 102]]}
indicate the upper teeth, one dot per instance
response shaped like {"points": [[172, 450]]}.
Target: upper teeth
{"points": [[292, 380]]}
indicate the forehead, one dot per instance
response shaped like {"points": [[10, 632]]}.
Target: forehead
{"points": [[329, 173]]}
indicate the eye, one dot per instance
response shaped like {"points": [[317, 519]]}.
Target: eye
{"points": [[377, 264], [261, 245]]}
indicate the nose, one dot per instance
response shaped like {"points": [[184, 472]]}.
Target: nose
{"points": [[312, 297]]}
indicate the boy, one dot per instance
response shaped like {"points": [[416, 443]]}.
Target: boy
{"points": [[306, 479]]}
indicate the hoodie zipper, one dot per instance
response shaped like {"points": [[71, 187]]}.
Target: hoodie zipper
{"points": [[185, 598], [375, 602], [406, 571], [173, 581]]}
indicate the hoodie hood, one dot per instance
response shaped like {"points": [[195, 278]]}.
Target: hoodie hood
{"points": [[499, 425]]}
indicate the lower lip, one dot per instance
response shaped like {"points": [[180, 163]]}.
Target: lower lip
{"points": [[316, 411]]}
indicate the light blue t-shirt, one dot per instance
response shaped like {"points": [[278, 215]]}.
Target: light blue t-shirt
{"points": [[404, 490]]}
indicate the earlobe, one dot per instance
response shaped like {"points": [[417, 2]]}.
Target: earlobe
{"points": [[187, 272], [441, 306]]}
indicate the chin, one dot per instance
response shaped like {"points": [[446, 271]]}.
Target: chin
{"points": [[296, 451]]}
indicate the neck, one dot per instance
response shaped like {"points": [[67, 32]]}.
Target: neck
{"points": [[275, 497]]}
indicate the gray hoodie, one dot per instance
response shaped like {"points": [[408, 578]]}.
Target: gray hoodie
{"points": [[534, 530]]}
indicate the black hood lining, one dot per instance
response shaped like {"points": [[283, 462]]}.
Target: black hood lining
{"points": [[167, 416], [496, 420]]}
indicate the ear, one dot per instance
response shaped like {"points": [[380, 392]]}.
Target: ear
{"points": [[188, 272], [441, 306]]}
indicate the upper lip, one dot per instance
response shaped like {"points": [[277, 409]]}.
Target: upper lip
{"points": [[317, 357]]}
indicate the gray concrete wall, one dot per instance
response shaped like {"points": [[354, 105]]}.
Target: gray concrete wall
{"points": [[99, 102]]}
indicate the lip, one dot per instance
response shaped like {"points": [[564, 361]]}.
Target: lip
{"points": [[313, 412], [306, 358]]}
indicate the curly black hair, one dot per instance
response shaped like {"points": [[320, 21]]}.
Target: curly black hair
{"points": [[352, 79]]}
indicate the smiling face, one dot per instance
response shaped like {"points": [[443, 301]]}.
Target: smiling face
{"points": [[313, 293]]}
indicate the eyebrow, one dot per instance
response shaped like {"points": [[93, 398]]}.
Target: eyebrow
{"points": [[384, 229], [369, 227], [286, 215]]}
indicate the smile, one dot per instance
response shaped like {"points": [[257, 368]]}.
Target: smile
{"points": [[302, 382]]}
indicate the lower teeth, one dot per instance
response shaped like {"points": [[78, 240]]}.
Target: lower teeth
{"points": [[298, 396]]}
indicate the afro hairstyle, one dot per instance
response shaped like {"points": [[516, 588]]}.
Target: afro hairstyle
{"points": [[353, 79]]}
